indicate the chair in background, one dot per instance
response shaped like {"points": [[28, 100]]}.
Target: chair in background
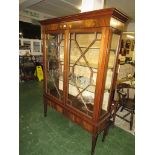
{"points": [[126, 95]]}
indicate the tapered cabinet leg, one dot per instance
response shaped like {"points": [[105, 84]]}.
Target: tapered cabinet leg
{"points": [[105, 133], [45, 108], [94, 139], [115, 111], [114, 117], [131, 121]]}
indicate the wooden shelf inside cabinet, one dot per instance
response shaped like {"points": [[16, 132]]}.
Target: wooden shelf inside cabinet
{"points": [[80, 54]]}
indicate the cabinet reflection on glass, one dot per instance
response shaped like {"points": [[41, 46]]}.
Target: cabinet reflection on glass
{"points": [[55, 63]]}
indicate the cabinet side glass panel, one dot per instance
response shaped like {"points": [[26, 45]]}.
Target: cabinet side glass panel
{"points": [[83, 67], [110, 70], [55, 65]]}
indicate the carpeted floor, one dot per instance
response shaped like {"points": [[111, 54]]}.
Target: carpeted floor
{"points": [[56, 135]]}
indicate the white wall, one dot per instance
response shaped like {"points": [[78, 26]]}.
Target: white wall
{"points": [[130, 27]]}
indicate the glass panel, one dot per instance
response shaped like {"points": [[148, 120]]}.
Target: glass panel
{"points": [[83, 61], [27, 44], [36, 46], [111, 65], [55, 65]]}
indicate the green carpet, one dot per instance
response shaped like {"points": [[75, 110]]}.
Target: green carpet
{"points": [[56, 135]]}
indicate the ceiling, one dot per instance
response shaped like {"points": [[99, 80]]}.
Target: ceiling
{"points": [[34, 10]]}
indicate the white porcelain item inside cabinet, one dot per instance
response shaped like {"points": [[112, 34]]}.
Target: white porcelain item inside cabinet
{"points": [[108, 79], [73, 90], [105, 101], [112, 58]]}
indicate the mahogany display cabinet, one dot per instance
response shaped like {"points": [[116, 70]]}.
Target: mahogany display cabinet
{"points": [[80, 55]]}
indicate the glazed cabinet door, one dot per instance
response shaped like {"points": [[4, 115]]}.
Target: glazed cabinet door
{"points": [[84, 48], [54, 65]]}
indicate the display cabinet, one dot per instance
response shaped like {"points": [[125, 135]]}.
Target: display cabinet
{"points": [[34, 45], [80, 54]]}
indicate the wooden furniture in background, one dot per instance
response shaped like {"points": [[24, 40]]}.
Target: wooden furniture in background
{"points": [[80, 54], [34, 45], [27, 66], [126, 94]]}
